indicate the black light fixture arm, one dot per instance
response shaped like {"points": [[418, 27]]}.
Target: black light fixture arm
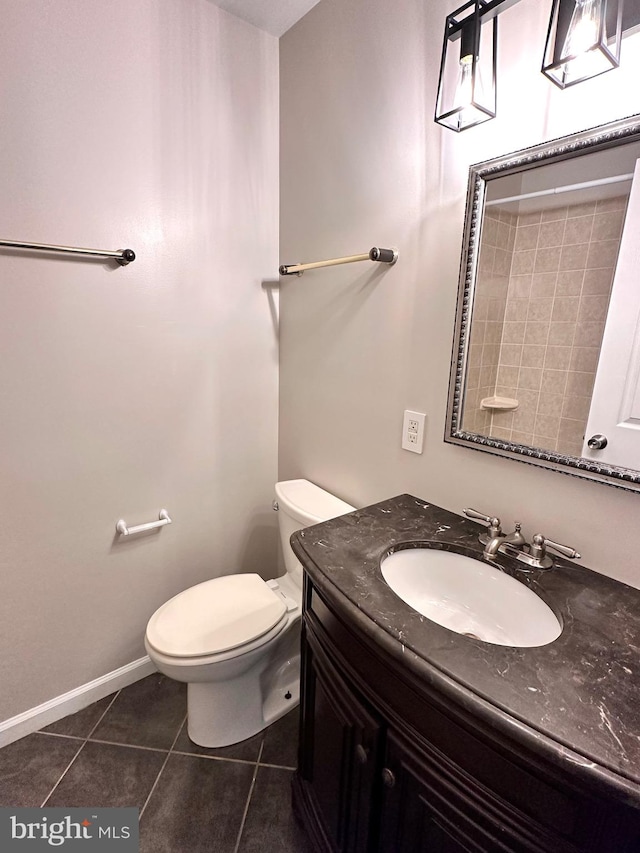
{"points": [[492, 8]]}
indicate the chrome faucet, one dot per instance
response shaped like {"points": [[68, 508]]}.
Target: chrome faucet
{"points": [[515, 539], [494, 538], [515, 545]]}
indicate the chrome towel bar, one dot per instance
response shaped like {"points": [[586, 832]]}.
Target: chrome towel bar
{"points": [[122, 256], [383, 256], [163, 519]]}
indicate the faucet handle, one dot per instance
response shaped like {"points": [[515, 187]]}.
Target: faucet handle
{"points": [[480, 516], [539, 545], [492, 523], [570, 553]]}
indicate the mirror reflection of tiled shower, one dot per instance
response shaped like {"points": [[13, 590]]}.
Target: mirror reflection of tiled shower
{"points": [[542, 290]]}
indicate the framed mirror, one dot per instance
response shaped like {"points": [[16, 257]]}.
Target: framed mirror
{"points": [[546, 356]]}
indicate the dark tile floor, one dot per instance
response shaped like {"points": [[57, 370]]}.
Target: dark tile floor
{"points": [[132, 749]]}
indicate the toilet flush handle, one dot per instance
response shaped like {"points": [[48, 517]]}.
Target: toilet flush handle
{"points": [[274, 506]]}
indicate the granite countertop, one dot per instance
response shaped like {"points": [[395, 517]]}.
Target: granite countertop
{"points": [[575, 701]]}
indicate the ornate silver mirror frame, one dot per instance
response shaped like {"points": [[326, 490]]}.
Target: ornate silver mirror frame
{"points": [[585, 142]]}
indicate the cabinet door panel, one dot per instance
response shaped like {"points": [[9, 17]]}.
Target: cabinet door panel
{"points": [[424, 810], [340, 748], [409, 823], [411, 826]]}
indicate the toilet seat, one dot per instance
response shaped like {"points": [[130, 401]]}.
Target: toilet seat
{"points": [[218, 617]]}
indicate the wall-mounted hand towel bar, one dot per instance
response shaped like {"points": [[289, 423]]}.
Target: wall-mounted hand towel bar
{"points": [[123, 530], [383, 256], [122, 256]]}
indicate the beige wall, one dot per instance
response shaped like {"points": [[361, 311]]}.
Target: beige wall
{"points": [[363, 164], [148, 124]]}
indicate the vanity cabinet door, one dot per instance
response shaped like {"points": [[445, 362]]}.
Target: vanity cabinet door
{"points": [[339, 747], [428, 807], [411, 821]]}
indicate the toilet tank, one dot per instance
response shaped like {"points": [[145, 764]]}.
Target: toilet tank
{"points": [[301, 504]]}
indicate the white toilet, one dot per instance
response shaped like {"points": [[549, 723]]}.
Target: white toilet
{"points": [[235, 639]]}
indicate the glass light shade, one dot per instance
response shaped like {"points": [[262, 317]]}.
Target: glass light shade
{"points": [[583, 40], [467, 85]]}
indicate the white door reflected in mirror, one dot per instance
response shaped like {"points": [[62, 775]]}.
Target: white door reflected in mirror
{"points": [[613, 427]]}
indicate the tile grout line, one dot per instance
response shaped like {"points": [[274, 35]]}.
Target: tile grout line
{"points": [[277, 766], [164, 764], [48, 797], [127, 745], [116, 743], [106, 711], [56, 734], [212, 757], [250, 794], [84, 743]]}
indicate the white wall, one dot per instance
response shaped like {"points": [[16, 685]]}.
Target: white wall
{"points": [[363, 164], [149, 124]]}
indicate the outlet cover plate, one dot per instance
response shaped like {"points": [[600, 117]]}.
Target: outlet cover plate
{"points": [[413, 431]]}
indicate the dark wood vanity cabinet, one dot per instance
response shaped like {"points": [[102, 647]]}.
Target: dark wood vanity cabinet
{"points": [[384, 768], [340, 755]]}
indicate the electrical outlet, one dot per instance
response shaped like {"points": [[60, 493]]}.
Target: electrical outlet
{"points": [[413, 431]]}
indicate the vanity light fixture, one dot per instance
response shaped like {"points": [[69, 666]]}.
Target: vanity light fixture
{"points": [[583, 40], [467, 85]]}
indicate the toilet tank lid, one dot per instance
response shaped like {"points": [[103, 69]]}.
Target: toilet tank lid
{"points": [[215, 616], [308, 503]]}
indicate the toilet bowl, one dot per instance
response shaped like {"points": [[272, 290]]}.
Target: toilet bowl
{"points": [[235, 639]]}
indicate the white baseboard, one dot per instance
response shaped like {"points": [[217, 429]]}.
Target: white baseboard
{"points": [[75, 700]]}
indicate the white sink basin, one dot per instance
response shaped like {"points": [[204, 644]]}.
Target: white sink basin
{"points": [[470, 597]]}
